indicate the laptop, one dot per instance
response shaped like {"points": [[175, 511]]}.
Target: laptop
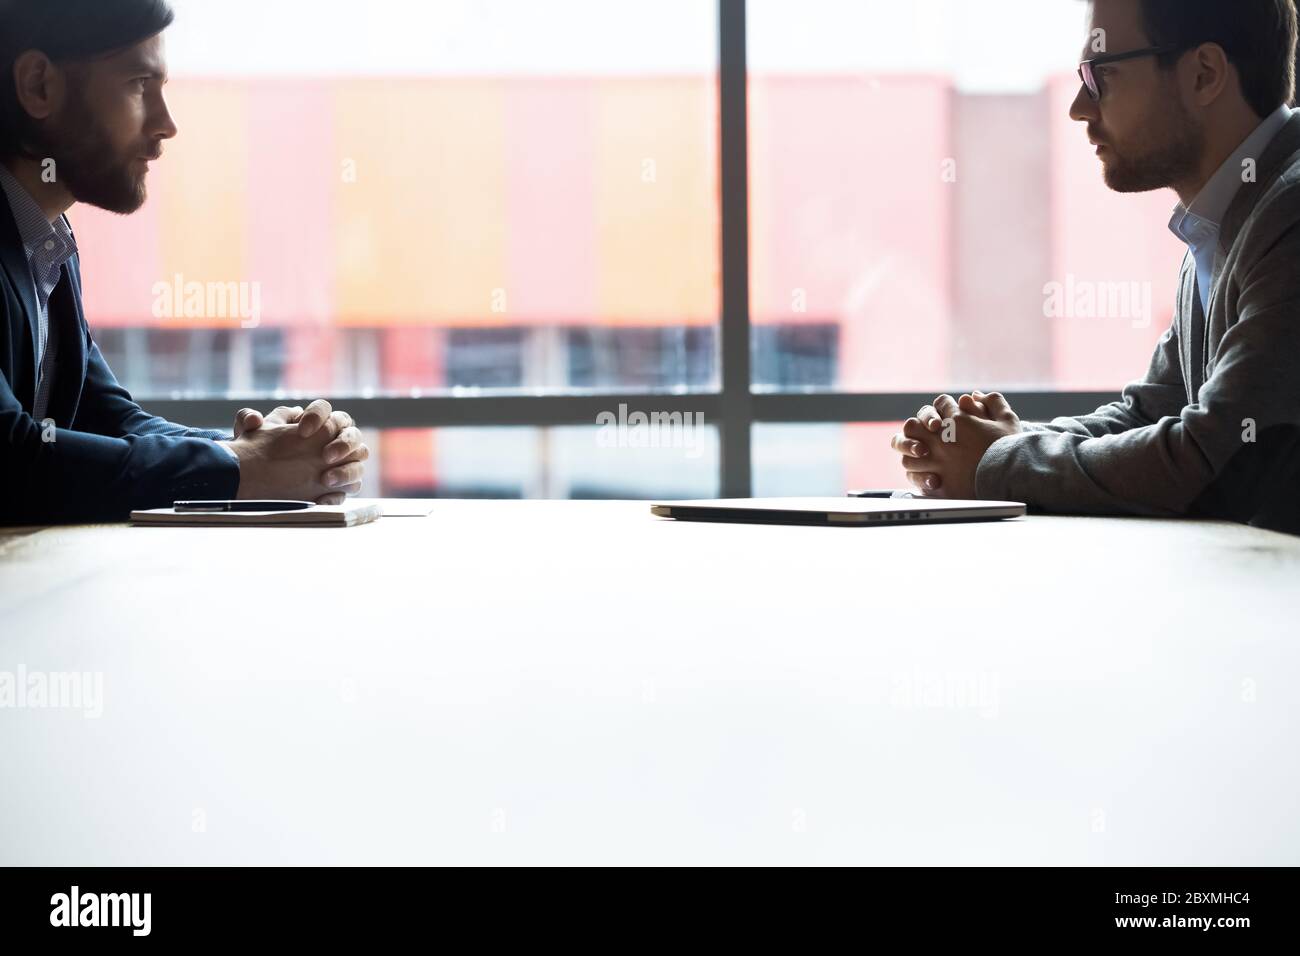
{"points": [[839, 512]]}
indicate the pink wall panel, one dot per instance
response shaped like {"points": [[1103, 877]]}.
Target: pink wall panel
{"points": [[551, 243], [853, 215], [291, 198]]}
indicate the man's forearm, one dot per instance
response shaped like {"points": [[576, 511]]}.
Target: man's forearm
{"points": [[1073, 473], [67, 476]]}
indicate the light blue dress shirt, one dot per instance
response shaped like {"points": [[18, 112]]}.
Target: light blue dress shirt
{"points": [[1198, 225]]}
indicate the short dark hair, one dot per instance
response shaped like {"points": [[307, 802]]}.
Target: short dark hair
{"points": [[67, 31], [1259, 37]]}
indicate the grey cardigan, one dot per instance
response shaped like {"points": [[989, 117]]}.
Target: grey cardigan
{"points": [[1214, 428]]}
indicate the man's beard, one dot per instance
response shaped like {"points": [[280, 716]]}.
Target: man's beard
{"points": [[1172, 160], [85, 162]]}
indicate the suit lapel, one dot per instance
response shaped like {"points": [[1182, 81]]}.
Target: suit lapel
{"points": [[66, 309], [1275, 161], [1200, 343], [1191, 323], [14, 259]]}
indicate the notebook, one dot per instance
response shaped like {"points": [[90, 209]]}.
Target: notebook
{"points": [[353, 512]]}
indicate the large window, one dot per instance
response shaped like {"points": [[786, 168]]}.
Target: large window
{"points": [[424, 196], [917, 183], [485, 226]]}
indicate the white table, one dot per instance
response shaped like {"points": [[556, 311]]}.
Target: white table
{"points": [[556, 682]]}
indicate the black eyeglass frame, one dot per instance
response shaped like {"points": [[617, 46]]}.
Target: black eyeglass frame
{"points": [[1093, 85]]}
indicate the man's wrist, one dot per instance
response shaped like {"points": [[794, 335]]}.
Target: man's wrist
{"points": [[230, 451]]}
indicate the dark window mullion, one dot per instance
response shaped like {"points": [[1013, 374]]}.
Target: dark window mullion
{"points": [[736, 478]]}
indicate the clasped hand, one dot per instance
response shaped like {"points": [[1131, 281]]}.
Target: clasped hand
{"points": [[943, 445], [314, 454]]}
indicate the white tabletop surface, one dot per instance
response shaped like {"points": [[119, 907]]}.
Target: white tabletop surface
{"points": [[556, 682]]}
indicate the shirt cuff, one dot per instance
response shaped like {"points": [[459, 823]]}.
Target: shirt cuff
{"points": [[227, 449]]}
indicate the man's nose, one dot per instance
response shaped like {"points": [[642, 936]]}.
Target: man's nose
{"points": [[161, 124], [1084, 109]]}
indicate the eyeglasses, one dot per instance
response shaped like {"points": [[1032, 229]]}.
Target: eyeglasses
{"points": [[1088, 68]]}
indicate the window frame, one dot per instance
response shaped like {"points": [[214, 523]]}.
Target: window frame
{"points": [[734, 408]]}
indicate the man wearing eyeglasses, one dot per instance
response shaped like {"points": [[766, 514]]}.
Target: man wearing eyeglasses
{"points": [[1194, 96]]}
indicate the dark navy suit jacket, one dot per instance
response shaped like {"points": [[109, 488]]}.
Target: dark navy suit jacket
{"points": [[103, 455]]}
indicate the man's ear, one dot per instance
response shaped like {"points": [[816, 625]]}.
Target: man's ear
{"points": [[1211, 73], [39, 84]]}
